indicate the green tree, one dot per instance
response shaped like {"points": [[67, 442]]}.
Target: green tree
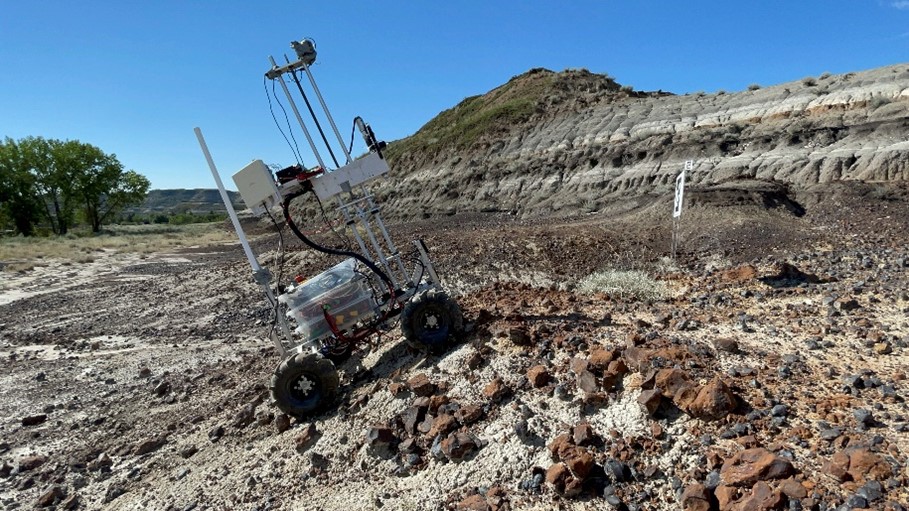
{"points": [[50, 178], [104, 187], [19, 197]]}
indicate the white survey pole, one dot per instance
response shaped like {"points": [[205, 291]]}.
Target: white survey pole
{"points": [[260, 276], [678, 203], [228, 203]]}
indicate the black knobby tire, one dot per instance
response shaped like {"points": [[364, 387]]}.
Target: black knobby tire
{"points": [[431, 320], [304, 384]]}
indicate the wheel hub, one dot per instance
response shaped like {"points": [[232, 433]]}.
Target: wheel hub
{"points": [[431, 322], [303, 385]]}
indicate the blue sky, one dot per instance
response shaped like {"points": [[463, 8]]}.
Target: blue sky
{"points": [[134, 78]]}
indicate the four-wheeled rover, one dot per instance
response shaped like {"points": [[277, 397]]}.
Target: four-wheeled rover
{"points": [[317, 321]]}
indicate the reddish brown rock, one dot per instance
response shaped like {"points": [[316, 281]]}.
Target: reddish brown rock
{"points": [[31, 462], [558, 475], [752, 465], [617, 367], [714, 401], [468, 414], [307, 438], [561, 445], [579, 461], [538, 376], [650, 400], [475, 502], [725, 496], [457, 446], [685, 397], [496, 389], [577, 365], [857, 464], [436, 401], [727, 344], [672, 381], [793, 489], [656, 430], [50, 497], [637, 358], [611, 380], [147, 446], [599, 359], [583, 434], [396, 389], [761, 498], [420, 385], [696, 498], [442, 424]]}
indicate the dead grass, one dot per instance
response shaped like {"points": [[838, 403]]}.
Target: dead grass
{"points": [[23, 254], [624, 284]]}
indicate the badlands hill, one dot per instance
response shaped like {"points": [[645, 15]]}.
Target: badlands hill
{"points": [[574, 142]]}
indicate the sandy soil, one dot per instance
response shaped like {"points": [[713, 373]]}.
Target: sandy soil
{"points": [[140, 383]]}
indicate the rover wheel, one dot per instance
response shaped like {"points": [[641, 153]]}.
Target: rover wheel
{"points": [[430, 320], [304, 384]]}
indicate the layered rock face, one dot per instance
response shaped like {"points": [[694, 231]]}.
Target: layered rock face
{"points": [[574, 142]]}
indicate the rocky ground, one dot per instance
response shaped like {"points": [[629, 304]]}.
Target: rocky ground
{"points": [[771, 376]]}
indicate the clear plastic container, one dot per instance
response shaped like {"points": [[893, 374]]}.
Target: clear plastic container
{"points": [[341, 291]]}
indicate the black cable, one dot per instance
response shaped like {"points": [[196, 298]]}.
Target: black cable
{"points": [[286, 118], [293, 73], [345, 241], [353, 129], [280, 265], [325, 250], [273, 116]]}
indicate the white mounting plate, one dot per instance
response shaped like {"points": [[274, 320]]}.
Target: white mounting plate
{"points": [[355, 173], [257, 186]]}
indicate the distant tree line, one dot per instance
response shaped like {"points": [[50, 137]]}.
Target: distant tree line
{"points": [[187, 217], [55, 183]]}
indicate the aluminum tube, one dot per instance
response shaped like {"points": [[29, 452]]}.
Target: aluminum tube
{"points": [[293, 106], [327, 113], [352, 225], [388, 242], [227, 203]]}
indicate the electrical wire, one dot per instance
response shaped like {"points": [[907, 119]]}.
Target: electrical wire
{"points": [[325, 250], [286, 120], [275, 118], [279, 262], [345, 241], [353, 130]]}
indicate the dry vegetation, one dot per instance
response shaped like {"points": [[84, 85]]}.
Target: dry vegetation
{"points": [[23, 254]]}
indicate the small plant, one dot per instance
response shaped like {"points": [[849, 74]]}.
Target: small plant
{"points": [[633, 284], [627, 88], [809, 81], [721, 92], [824, 75], [879, 101], [754, 86]]}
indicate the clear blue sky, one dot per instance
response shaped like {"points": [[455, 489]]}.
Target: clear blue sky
{"points": [[134, 77]]}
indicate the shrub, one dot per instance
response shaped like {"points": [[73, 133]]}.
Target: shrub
{"points": [[633, 284], [754, 86], [626, 88], [824, 75], [809, 81]]}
